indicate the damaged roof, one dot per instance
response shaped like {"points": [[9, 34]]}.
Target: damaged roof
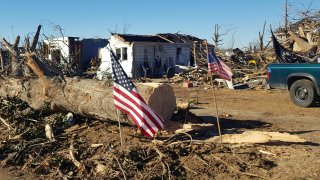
{"points": [[180, 38], [139, 38], [164, 38]]}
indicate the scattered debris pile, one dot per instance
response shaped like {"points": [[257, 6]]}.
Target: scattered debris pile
{"points": [[248, 70], [86, 148], [302, 38]]}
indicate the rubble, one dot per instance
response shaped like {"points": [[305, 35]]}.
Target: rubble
{"points": [[76, 155], [65, 129], [253, 76]]}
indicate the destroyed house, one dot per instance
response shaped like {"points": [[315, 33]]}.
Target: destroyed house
{"points": [[134, 51], [300, 33], [73, 50], [90, 51], [197, 46]]}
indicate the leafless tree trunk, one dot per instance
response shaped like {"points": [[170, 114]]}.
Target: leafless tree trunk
{"points": [[217, 36], [87, 97], [232, 41], [261, 36], [286, 17], [16, 67]]}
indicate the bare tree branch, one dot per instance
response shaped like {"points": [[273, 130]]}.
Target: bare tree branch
{"points": [[35, 39], [261, 37]]}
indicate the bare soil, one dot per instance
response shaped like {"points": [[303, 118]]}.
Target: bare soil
{"points": [[169, 156]]}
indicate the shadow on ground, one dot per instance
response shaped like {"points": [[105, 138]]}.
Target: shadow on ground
{"points": [[236, 125]]}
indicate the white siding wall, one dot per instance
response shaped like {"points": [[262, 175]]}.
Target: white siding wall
{"points": [[140, 51], [184, 56], [166, 51], [59, 43], [105, 66], [143, 51]]}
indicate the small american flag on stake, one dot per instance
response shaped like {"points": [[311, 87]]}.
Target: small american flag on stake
{"points": [[215, 65], [128, 100]]}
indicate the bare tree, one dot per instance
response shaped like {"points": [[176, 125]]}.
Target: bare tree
{"points": [[261, 37], [126, 27], [302, 10], [306, 10], [232, 41], [217, 35], [286, 17]]}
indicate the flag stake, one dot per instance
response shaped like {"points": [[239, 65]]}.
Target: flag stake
{"points": [[216, 106], [120, 134], [214, 98]]}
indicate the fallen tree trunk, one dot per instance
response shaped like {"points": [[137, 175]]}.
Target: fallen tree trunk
{"points": [[87, 97]]}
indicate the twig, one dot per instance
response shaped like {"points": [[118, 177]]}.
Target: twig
{"points": [[161, 155], [187, 141], [164, 169], [43, 143], [181, 164], [61, 174], [190, 137], [190, 169], [33, 120], [233, 169], [169, 173], [239, 157], [197, 156], [6, 123], [120, 167], [16, 137], [74, 160]]}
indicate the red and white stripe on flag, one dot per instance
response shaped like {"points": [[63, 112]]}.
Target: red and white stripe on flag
{"points": [[133, 104], [224, 71]]}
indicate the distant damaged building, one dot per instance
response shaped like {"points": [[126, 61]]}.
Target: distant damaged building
{"points": [[151, 53], [73, 51]]}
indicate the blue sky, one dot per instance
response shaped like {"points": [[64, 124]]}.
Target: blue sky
{"points": [[93, 18]]}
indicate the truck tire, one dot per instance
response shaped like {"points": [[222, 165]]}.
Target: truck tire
{"points": [[303, 93]]}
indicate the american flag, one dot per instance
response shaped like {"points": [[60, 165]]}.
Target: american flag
{"points": [[128, 100], [215, 65]]}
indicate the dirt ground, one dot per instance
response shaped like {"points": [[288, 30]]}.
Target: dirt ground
{"points": [[268, 110], [173, 156]]}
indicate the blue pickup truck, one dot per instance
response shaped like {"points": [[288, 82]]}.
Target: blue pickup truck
{"points": [[301, 79]]}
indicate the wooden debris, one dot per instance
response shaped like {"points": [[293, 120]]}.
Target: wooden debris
{"points": [[78, 164], [195, 127], [266, 152], [96, 145], [49, 132], [257, 137], [303, 45]]}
